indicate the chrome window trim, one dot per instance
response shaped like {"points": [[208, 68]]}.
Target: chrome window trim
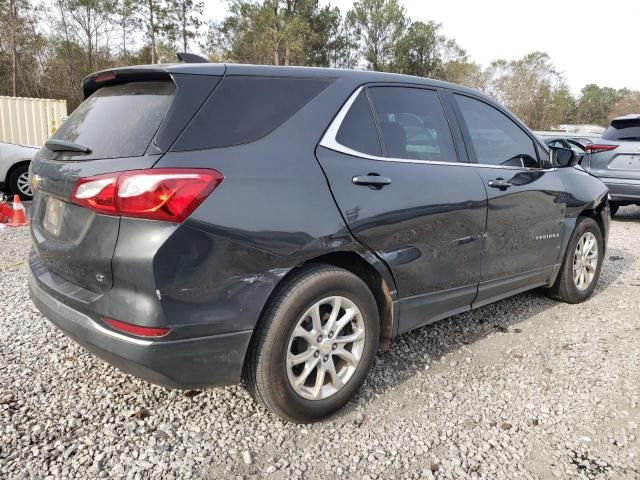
{"points": [[329, 141]]}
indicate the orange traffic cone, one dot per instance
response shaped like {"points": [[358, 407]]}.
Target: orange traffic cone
{"points": [[18, 216]]}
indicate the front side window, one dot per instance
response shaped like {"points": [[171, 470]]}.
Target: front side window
{"points": [[496, 139], [413, 124]]}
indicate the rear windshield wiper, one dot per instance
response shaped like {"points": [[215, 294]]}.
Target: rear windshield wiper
{"points": [[64, 146], [630, 138]]}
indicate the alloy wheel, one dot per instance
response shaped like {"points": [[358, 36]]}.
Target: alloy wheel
{"points": [[24, 186], [325, 348], [585, 261]]}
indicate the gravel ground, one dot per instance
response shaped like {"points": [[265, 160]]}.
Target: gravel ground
{"points": [[525, 388]]}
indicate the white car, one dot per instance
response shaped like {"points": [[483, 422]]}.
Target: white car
{"points": [[14, 169]]}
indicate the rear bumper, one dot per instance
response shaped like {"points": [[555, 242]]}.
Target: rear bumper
{"points": [[622, 189], [185, 363]]}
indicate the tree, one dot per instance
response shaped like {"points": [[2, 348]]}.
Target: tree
{"points": [[87, 22], [12, 14], [629, 103], [596, 104], [184, 20], [562, 106], [127, 21], [526, 86], [464, 72], [425, 52], [153, 14], [379, 25], [275, 32], [418, 51]]}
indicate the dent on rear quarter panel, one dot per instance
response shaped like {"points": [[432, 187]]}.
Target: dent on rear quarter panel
{"points": [[584, 192], [272, 212]]}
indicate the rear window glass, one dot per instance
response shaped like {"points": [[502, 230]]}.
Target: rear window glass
{"points": [[244, 109], [119, 120], [623, 130]]}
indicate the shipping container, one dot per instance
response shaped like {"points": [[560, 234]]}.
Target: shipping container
{"points": [[30, 121]]}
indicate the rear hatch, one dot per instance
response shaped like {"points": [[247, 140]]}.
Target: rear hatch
{"points": [[617, 154], [119, 127]]}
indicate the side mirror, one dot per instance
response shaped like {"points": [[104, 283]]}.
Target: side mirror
{"points": [[564, 157]]}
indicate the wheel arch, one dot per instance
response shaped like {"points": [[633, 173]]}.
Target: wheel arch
{"points": [[599, 214], [366, 266], [15, 166], [596, 210]]}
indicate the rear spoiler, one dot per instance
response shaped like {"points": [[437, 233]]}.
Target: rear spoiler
{"points": [[191, 58], [161, 72]]}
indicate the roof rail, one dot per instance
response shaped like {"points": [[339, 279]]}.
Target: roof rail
{"points": [[191, 58]]}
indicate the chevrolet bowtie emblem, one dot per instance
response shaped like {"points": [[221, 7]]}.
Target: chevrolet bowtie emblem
{"points": [[36, 180]]}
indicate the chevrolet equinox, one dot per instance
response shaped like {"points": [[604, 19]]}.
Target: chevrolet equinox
{"points": [[199, 224]]}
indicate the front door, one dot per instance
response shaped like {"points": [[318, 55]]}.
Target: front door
{"points": [[395, 175], [526, 197]]}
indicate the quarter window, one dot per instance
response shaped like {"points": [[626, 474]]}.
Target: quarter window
{"points": [[244, 109], [413, 124], [496, 139], [358, 129]]}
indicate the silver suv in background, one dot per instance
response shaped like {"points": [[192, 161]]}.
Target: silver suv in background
{"points": [[14, 169], [615, 158]]}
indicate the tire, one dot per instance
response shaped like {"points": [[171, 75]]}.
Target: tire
{"points": [[267, 373], [16, 182], [614, 208], [565, 288]]}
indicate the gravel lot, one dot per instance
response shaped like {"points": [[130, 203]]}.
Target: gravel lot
{"points": [[525, 388]]}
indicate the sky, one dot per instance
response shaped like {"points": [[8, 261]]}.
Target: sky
{"points": [[588, 41]]}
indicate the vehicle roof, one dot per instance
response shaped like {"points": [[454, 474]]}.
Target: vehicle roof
{"points": [[218, 69], [630, 116]]}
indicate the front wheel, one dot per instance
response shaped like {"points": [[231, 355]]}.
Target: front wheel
{"points": [[315, 345], [580, 268]]}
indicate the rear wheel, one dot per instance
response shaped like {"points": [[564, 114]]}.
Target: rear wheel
{"points": [[315, 345], [19, 182], [614, 208], [581, 265]]}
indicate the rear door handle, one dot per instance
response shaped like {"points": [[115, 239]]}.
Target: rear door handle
{"points": [[372, 180], [500, 183]]}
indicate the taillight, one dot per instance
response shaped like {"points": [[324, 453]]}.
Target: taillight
{"points": [[157, 194], [137, 330], [597, 148]]}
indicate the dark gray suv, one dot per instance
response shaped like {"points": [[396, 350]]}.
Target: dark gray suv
{"points": [[195, 224]]}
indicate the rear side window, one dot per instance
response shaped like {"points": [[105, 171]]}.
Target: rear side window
{"points": [[413, 124], [119, 120], [358, 129], [623, 130], [245, 109], [496, 139]]}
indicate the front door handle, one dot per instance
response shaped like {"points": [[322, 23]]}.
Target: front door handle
{"points": [[371, 180], [500, 183]]}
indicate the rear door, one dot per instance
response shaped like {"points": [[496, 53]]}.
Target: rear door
{"points": [[527, 201], [394, 169]]}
